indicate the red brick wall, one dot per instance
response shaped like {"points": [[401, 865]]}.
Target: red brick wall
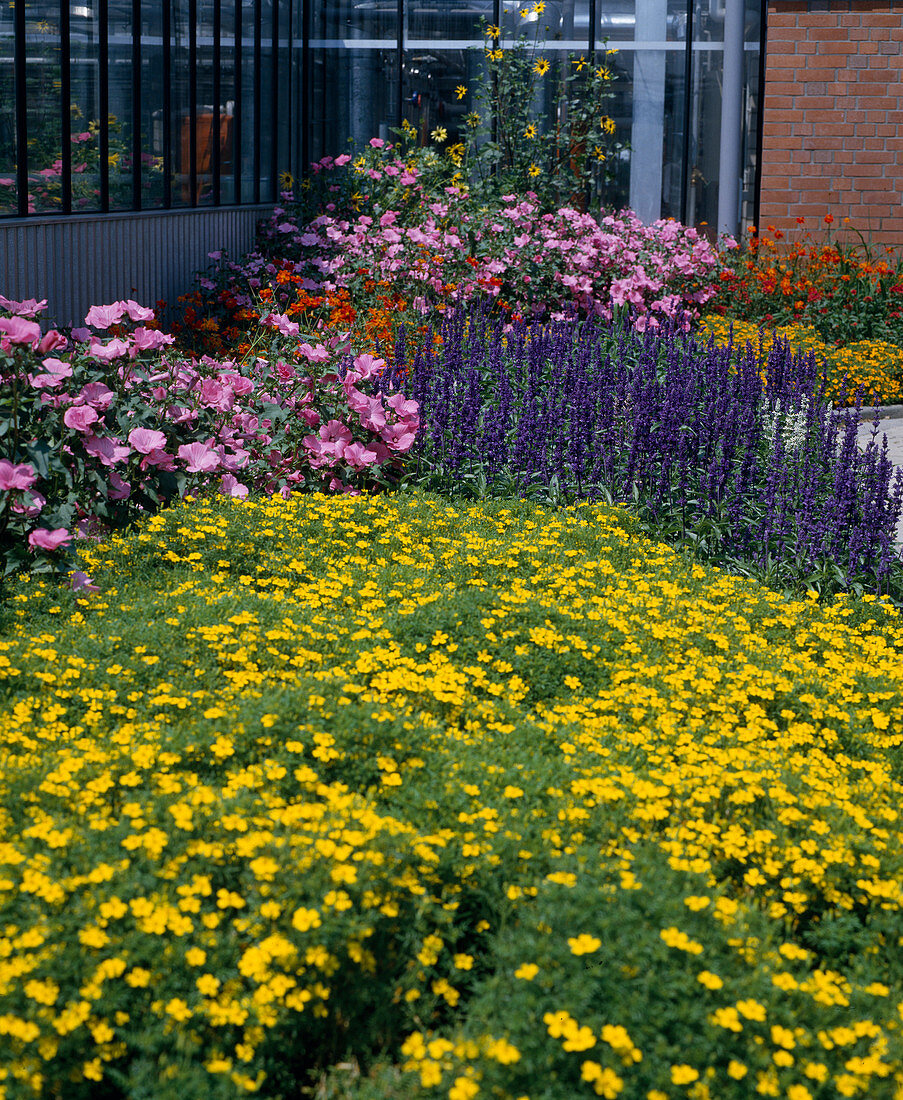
{"points": [[833, 116]]}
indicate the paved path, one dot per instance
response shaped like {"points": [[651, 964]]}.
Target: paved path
{"points": [[891, 425]]}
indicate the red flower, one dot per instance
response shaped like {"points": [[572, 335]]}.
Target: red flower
{"points": [[829, 218]]}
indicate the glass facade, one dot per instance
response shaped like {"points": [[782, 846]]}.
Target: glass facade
{"points": [[112, 105]]}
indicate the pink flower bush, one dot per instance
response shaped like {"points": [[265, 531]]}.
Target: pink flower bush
{"points": [[119, 427]]}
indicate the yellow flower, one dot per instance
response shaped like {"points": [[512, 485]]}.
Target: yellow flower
{"points": [[533, 171], [530, 131], [541, 67], [684, 1074], [461, 91], [539, 7], [527, 972], [439, 134], [493, 31], [584, 944]]}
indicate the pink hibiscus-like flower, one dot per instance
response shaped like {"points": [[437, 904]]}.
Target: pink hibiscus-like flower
{"points": [[368, 366], [56, 371], [51, 341], [111, 350], [106, 449], [135, 311], [398, 437], [147, 339], [317, 354], [145, 440], [104, 316], [358, 456], [19, 331], [22, 476], [30, 504], [282, 323], [44, 539], [28, 308], [199, 457], [96, 394], [80, 417], [120, 490], [233, 488]]}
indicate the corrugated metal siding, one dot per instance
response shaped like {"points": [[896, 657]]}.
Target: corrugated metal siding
{"points": [[77, 262]]}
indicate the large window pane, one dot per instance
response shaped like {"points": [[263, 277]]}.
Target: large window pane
{"points": [[8, 192], [42, 97], [152, 76], [84, 111], [354, 78], [122, 110]]}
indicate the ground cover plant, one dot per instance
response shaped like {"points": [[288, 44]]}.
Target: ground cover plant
{"points": [[482, 799], [740, 456]]}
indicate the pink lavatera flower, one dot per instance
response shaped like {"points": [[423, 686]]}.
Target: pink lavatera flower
{"points": [[43, 539], [315, 354], [21, 476], [30, 504], [358, 456], [80, 417], [103, 316], [51, 341], [113, 349], [232, 487], [28, 308], [107, 450], [136, 312], [198, 457], [56, 372], [148, 339], [96, 394], [146, 440], [119, 489], [16, 330]]}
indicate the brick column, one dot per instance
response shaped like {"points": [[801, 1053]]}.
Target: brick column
{"points": [[833, 116]]}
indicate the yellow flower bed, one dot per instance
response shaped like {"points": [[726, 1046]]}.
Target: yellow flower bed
{"points": [[873, 365], [527, 803]]}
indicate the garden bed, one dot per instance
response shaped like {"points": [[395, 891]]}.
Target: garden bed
{"points": [[471, 799]]}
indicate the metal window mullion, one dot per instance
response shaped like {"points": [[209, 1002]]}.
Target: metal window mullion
{"points": [[258, 61], [236, 109], [274, 104], [305, 89], [65, 110], [193, 102], [103, 77], [21, 112], [688, 106], [136, 104], [291, 159], [399, 74], [217, 96], [167, 104]]}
